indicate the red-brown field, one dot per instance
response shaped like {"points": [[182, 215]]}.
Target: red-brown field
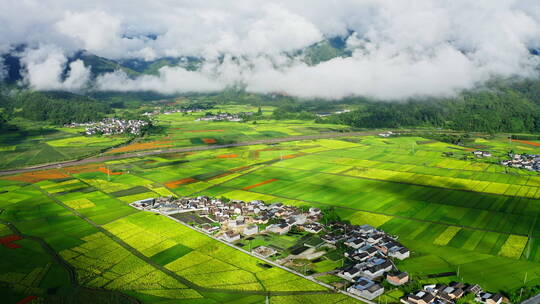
{"points": [[260, 184], [209, 140], [228, 156], [527, 142], [176, 184], [27, 300], [291, 156], [34, 177], [7, 241]]}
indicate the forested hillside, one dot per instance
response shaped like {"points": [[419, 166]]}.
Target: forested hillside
{"points": [[513, 108], [53, 107]]}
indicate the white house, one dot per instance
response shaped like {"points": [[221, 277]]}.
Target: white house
{"points": [[230, 236], [251, 230], [366, 288], [400, 254]]}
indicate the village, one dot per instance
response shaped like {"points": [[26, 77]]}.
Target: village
{"points": [[112, 126], [368, 254], [236, 117], [159, 110], [530, 162]]}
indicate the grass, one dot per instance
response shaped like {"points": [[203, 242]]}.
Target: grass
{"points": [[513, 247], [467, 215], [34, 143]]}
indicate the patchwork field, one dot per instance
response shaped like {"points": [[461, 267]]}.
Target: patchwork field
{"points": [[473, 217], [37, 144], [181, 130]]}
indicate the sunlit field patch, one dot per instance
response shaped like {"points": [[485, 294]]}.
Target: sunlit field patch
{"points": [[158, 144]]}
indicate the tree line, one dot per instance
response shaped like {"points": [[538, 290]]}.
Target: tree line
{"points": [[492, 110], [53, 107]]}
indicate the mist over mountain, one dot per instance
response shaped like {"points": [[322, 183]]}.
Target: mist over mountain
{"points": [[389, 50]]}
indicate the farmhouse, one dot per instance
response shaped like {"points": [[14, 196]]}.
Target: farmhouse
{"points": [[397, 278], [355, 242], [314, 211], [366, 288], [251, 230], [449, 294], [489, 298], [421, 297], [312, 228], [264, 251], [480, 154], [279, 228], [230, 236], [377, 270], [400, 254], [350, 273]]}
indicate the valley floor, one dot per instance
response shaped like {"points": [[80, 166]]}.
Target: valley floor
{"points": [[470, 216]]}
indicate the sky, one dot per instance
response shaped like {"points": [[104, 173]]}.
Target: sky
{"points": [[400, 48]]}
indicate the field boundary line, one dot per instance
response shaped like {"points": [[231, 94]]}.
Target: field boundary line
{"points": [[57, 258], [103, 158], [171, 273], [270, 261]]}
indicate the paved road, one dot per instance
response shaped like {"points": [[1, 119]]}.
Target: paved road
{"points": [[103, 158], [533, 300]]}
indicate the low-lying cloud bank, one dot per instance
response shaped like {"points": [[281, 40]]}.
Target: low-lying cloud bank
{"points": [[400, 49]]}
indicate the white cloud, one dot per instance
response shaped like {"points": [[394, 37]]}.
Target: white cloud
{"points": [[45, 66], [170, 80], [402, 48]]}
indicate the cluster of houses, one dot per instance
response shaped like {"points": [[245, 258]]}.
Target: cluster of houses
{"points": [[449, 294], [111, 126], [525, 161], [481, 154], [225, 116], [370, 251], [158, 111], [231, 220], [325, 114], [386, 134]]}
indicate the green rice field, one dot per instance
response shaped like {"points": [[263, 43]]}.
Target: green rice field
{"points": [[470, 216]]}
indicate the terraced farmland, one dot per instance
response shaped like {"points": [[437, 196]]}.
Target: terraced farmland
{"points": [[472, 217]]}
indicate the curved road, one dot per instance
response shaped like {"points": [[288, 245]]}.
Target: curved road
{"points": [[104, 158]]}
